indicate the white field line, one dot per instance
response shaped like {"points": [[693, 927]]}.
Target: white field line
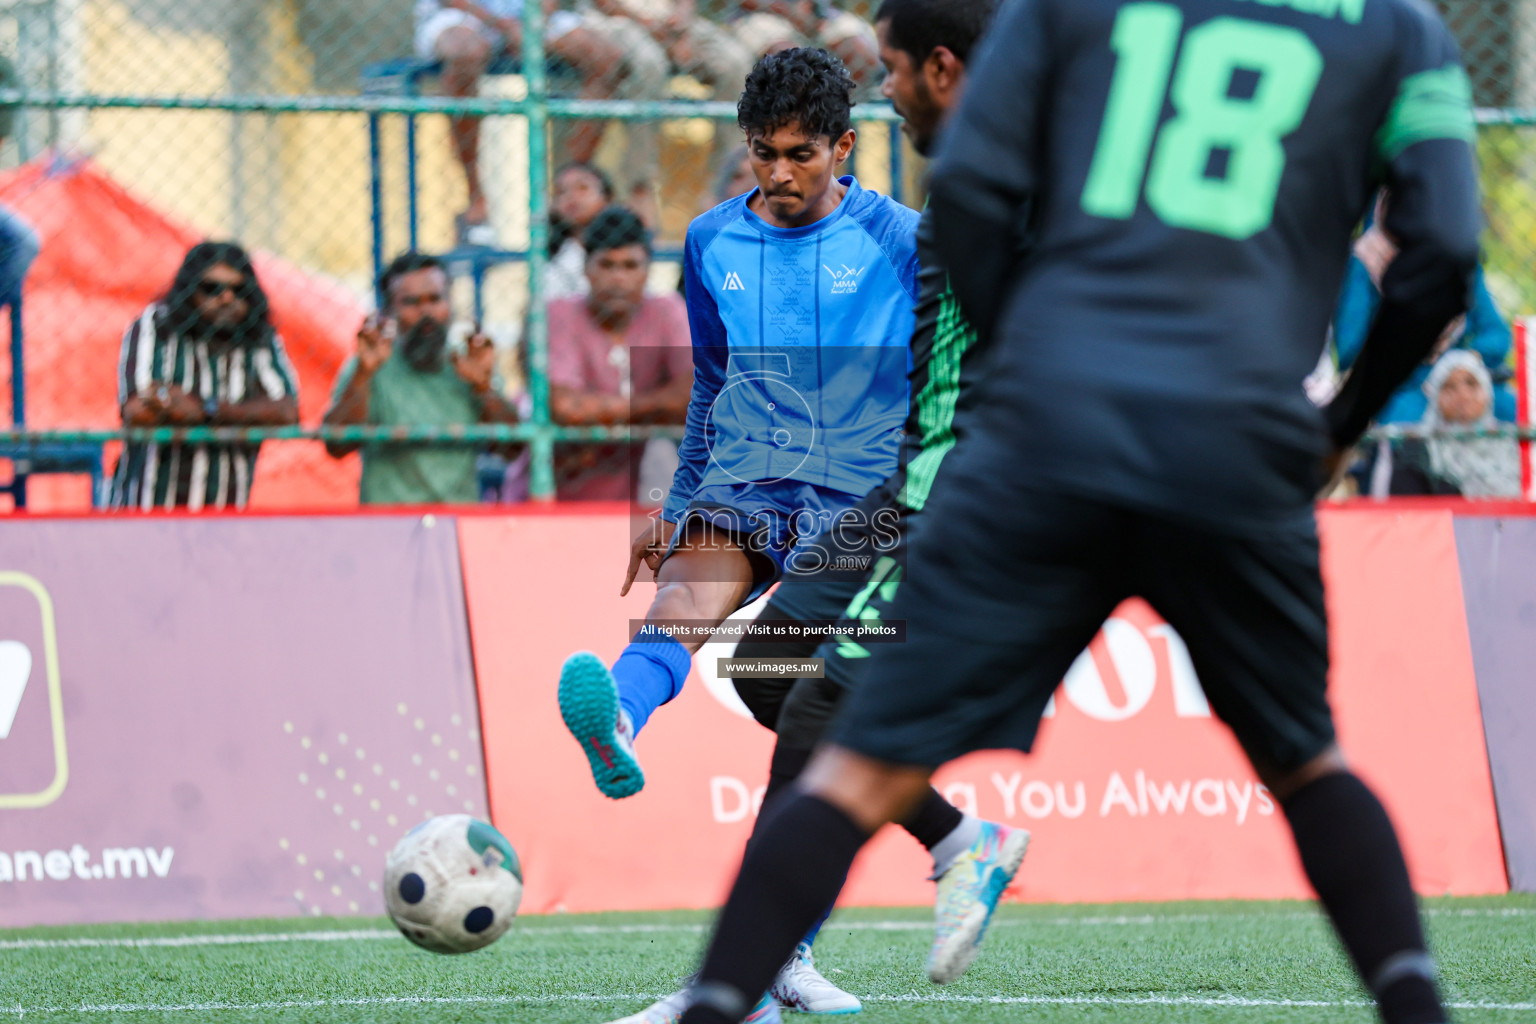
{"points": [[532, 931], [236, 939], [1236, 1002]]}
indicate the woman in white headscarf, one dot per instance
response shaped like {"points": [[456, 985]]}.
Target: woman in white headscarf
{"points": [[1460, 394]]}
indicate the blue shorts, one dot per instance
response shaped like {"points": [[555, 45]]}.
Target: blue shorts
{"points": [[770, 520]]}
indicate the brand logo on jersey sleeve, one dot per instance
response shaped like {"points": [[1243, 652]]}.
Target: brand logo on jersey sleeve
{"points": [[733, 282], [845, 279]]}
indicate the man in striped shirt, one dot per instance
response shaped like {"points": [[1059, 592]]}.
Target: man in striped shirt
{"points": [[204, 355]]}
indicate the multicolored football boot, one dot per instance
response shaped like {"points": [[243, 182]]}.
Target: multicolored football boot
{"points": [[969, 891], [589, 703]]}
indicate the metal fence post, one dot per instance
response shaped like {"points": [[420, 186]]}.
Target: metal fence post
{"points": [[541, 479]]}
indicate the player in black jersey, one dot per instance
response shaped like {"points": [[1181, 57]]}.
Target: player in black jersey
{"points": [[1147, 208], [924, 45]]}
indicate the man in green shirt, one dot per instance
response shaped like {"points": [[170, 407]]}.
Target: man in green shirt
{"points": [[403, 375]]}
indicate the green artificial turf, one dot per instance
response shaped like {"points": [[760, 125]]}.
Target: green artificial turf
{"points": [[1197, 962]]}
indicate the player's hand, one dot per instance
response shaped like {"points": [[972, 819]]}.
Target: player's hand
{"points": [[375, 343], [649, 547], [1335, 464], [1375, 251], [478, 362]]}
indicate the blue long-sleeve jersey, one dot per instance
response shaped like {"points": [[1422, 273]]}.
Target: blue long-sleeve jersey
{"points": [[800, 346]]}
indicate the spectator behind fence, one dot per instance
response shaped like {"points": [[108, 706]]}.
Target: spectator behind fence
{"points": [[204, 355], [1459, 397], [18, 242], [614, 58], [734, 178], [618, 356], [404, 375], [769, 26], [694, 46], [1482, 330], [580, 193]]}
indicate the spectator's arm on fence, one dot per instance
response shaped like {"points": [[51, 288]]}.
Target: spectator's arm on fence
{"points": [[349, 405], [140, 405], [351, 398]]}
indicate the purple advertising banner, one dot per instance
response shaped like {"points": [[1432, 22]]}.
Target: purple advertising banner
{"points": [[215, 718], [1498, 573]]}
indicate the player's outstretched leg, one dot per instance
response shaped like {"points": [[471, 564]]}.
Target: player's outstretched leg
{"points": [[969, 891], [671, 1009], [589, 703], [949, 835], [604, 708]]}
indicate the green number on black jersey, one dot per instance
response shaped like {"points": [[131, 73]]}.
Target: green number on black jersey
{"points": [[1206, 119]]}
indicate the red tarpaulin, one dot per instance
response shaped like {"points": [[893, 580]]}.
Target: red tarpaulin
{"points": [[106, 255]]}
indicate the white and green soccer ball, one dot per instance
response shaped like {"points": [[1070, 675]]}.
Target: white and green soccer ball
{"points": [[452, 884]]}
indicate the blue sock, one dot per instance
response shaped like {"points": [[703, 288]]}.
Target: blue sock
{"points": [[648, 675], [810, 936]]}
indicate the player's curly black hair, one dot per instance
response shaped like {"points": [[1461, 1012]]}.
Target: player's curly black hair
{"points": [[803, 86]]}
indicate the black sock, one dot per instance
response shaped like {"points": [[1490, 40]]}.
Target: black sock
{"points": [[792, 870], [1350, 853], [932, 819], [785, 767]]}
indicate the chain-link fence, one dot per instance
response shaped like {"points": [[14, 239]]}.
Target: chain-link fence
{"points": [[327, 137]]}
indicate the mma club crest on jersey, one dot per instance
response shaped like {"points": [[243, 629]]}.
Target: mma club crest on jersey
{"points": [[845, 279], [733, 282]]}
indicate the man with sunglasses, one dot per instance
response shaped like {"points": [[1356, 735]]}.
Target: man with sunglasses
{"points": [[204, 355]]}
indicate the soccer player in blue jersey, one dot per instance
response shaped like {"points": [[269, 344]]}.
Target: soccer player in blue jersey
{"points": [[800, 299]]}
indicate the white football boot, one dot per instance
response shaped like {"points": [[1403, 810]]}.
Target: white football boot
{"points": [[800, 986], [670, 1011]]}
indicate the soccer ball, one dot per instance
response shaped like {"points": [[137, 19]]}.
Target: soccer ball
{"points": [[452, 884]]}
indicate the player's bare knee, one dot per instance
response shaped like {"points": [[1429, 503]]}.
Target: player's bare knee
{"points": [[1283, 782], [869, 791], [675, 599], [465, 56]]}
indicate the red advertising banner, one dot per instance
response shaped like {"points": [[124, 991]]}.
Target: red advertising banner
{"points": [[1134, 791], [237, 717]]}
